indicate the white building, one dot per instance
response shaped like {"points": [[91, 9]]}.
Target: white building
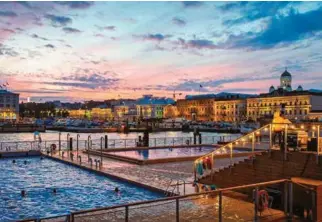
{"points": [[9, 105]]}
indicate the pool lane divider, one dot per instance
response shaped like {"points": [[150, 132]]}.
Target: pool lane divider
{"points": [[113, 176], [10, 154]]}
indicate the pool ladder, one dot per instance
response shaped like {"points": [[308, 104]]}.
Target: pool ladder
{"points": [[172, 187]]}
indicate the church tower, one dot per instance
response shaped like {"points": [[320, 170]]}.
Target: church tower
{"points": [[286, 81]]}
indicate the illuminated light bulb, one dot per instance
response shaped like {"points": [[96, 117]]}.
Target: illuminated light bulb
{"points": [[266, 129], [302, 127], [314, 128]]}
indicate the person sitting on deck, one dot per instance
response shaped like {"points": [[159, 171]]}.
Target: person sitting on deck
{"points": [[213, 187]]}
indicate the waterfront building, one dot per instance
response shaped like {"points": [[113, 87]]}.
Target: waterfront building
{"points": [[196, 108], [170, 111], [126, 111], [9, 105], [227, 107], [80, 114], [152, 107], [296, 104], [230, 110], [102, 113]]}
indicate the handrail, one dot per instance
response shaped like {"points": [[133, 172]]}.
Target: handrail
{"points": [[182, 197], [232, 142]]}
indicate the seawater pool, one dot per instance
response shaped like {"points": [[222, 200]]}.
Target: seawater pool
{"points": [[163, 153], [77, 189]]}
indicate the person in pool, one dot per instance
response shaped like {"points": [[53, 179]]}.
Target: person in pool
{"points": [[13, 161], [23, 193], [117, 191], [54, 191], [25, 162]]}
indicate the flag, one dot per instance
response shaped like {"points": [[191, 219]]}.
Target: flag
{"points": [[4, 85], [7, 83], [200, 86], [0, 86]]}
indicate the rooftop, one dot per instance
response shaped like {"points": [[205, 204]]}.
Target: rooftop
{"points": [[280, 92], [4, 91]]}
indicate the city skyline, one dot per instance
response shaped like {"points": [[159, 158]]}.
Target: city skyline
{"points": [[75, 51]]}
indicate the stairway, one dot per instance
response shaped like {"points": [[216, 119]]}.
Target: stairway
{"points": [[266, 167]]}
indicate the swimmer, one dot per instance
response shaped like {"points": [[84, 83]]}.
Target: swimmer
{"points": [[23, 193], [116, 190], [25, 162], [13, 161], [41, 157], [54, 191]]}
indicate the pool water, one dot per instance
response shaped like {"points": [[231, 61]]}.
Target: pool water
{"points": [[77, 189], [165, 153]]}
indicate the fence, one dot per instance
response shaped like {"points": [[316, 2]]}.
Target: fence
{"points": [[239, 203], [255, 202], [71, 143]]}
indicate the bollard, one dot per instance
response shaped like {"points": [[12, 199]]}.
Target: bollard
{"points": [[106, 142], [80, 159], [71, 143], [90, 160], [72, 156], [256, 205], [220, 207]]}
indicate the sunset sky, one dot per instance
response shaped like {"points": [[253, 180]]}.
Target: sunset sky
{"points": [[76, 51]]}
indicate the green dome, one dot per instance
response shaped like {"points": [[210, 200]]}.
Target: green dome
{"points": [[286, 74]]}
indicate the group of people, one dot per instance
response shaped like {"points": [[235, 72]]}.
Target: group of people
{"points": [[54, 191], [25, 161], [24, 193]]}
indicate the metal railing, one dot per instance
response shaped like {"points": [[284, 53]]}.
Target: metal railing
{"points": [[216, 205], [260, 139], [266, 138], [72, 143]]}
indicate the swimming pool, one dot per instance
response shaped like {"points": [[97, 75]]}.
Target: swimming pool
{"points": [[77, 189], [163, 153]]}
